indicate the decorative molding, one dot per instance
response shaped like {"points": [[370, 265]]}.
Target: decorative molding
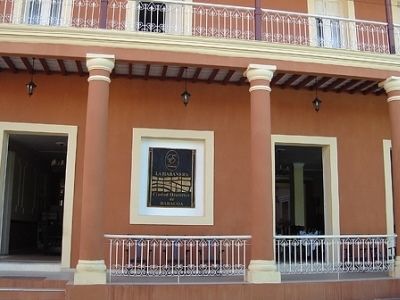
{"points": [[197, 45], [99, 78], [259, 87], [104, 62], [391, 84], [393, 98], [259, 72]]}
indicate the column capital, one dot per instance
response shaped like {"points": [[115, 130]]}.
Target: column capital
{"points": [[96, 61], [391, 84], [259, 72]]}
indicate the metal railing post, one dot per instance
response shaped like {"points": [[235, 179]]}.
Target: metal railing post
{"points": [[257, 20], [103, 14]]}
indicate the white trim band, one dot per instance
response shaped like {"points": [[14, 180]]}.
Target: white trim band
{"points": [[99, 78], [259, 87], [393, 98]]}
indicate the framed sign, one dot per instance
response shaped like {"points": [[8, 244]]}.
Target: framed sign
{"points": [[172, 177]]}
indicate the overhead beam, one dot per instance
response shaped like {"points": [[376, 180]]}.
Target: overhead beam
{"points": [[305, 82], [333, 84], [61, 65], [147, 72], [228, 76], [79, 67], [10, 64], [196, 74], [180, 73], [288, 82], [27, 64], [45, 66], [370, 89], [276, 78], [212, 76], [362, 86], [130, 71], [164, 72], [319, 83], [344, 87]]}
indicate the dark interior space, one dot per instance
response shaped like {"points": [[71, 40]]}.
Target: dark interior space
{"points": [[301, 163], [35, 176]]}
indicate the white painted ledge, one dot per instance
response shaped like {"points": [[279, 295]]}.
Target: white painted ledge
{"points": [[89, 272], [395, 273], [263, 271]]}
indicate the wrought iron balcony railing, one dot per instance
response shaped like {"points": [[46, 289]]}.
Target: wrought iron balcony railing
{"points": [[161, 256], [335, 254], [202, 19]]}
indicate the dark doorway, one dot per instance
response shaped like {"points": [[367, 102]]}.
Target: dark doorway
{"points": [[299, 194], [34, 196]]}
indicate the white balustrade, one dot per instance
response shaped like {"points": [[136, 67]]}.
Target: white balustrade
{"points": [[396, 31], [322, 31], [155, 256], [334, 254], [6, 11], [203, 19]]}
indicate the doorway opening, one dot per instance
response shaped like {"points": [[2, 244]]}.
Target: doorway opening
{"points": [[299, 190], [32, 224]]}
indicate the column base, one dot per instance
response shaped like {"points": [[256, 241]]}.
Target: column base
{"points": [[396, 270], [90, 272], [263, 271]]}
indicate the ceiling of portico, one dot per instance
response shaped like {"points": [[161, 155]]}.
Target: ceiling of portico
{"points": [[216, 75]]}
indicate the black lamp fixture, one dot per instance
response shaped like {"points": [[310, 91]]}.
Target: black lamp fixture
{"points": [[185, 95], [317, 102], [31, 85]]}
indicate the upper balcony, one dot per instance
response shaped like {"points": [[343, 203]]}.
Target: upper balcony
{"points": [[206, 21]]}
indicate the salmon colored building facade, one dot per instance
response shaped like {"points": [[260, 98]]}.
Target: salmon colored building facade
{"points": [[279, 175]]}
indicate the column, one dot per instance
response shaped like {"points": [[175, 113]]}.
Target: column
{"points": [[262, 266], [91, 268], [392, 87], [299, 205]]}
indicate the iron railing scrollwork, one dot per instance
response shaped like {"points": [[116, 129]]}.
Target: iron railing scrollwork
{"points": [[157, 256], [338, 254]]}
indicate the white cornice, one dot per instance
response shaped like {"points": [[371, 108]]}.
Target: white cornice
{"points": [[196, 45]]}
